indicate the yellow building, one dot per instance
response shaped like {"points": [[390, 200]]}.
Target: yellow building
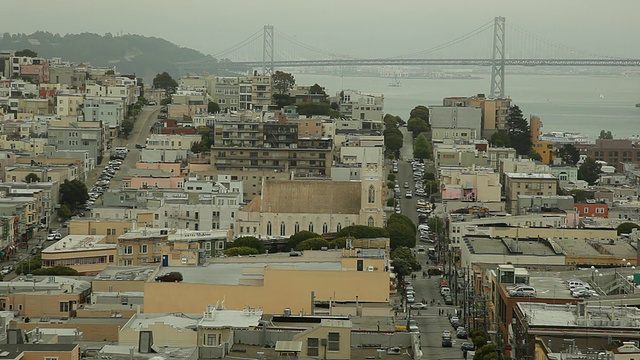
{"points": [[277, 281], [546, 150], [110, 228], [33, 296], [527, 184], [88, 254]]}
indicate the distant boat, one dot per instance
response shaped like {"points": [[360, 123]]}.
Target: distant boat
{"points": [[395, 82], [601, 96]]}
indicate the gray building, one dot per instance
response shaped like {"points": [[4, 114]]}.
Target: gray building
{"points": [[455, 123], [109, 110], [77, 137], [541, 203]]}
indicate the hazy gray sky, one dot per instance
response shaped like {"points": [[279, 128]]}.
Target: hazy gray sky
{"points": [[357, 27]]}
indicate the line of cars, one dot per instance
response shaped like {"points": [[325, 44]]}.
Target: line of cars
{"points": [[460, 331], [579, 289], [115, 161]]}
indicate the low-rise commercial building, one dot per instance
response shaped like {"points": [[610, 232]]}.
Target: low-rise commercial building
{"points": [[88, 254]]}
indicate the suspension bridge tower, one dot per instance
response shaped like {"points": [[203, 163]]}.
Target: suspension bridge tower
{"points": [[267, 50], [498, 58]]}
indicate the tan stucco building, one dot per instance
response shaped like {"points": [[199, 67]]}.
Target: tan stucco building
{"points": [[527, 184], [88, 254]]}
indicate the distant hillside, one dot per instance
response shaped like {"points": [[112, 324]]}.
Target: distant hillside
{"points": [[144, 56]]}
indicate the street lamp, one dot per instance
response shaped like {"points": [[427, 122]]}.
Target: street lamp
{"points": [[623, 262]]}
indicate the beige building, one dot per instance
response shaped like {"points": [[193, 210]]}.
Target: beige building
{"points": [[34, 296], [470, 185], [322, 206], [88, 254], [33, 147], [109, 228], [69, 104], [527, 184], [258, 283], [172, 141]]}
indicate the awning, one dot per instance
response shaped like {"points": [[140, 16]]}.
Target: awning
{"points": [[288, 346]]}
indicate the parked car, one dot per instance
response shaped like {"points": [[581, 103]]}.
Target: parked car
{"points": [[461, 333], [7, 269], [419, 306], [152, 103], [467, 346], [446, 342], [170, 277]]}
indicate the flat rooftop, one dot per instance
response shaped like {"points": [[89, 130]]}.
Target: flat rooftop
{"points": [[547, 287], [509, 246], [616, 317], [129, 273], [584, 247], [228, 273], [72, 243], [530, 176]]}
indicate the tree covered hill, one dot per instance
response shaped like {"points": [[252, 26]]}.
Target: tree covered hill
{"points": [[142, 55]]}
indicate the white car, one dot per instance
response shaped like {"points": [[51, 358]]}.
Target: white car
{"points": [[409, 195], [419, 306], [7, 269]]}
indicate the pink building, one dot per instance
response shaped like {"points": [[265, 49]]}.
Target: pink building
{"points": [[39, 73], [169, 168], [160, 182], [458, 193]]}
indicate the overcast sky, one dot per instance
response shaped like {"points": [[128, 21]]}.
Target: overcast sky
{"points": [[371, 28]]}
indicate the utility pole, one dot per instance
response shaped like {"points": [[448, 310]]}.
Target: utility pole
{"points": [[498, 58]]}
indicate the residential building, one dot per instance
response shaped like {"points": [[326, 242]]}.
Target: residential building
{"points": [[79, 136], [226, 93], [546, 150], [365, 108], [495, 111], [35, 106], [32, 146], [69, 104], [88, 254], [594, 209], [470, 185], [459, 155], [67, 74], [527, 184], [614, 152], [171, 142], [36, 296], [530, 204], [451, 123], [261, 91], [109, 111], [566, 174], [109, 228], [37, 71], [313, 161], [156, 179]]}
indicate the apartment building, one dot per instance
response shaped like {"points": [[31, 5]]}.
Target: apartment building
{"points": [[88, 254], [527, 184], [32, 146], [451, 123], [495, 111], [614, 152], [226, 93], [470, 185], [78, 136], [69, 104], [67, 74], [109, 111], [297, 160], [368, 108], [171, 141], [35, 106]]}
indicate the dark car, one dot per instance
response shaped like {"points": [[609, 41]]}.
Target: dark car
{"points": [[461, 334], [448, 300], [170, 277], [446, 341], [467, 346]]}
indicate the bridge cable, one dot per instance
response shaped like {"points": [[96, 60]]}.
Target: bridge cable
{"points": [[248, 40]]}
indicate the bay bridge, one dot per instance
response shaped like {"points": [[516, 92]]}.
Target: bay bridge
{"points": [[497, 44]]}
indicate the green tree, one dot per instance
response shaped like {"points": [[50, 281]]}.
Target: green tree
{"points": [[283, 82], [56, 270], [213, 107], [166, 82], [405, 254], [401, 234], [569, 154], [533, 155], [27, 52], [627, 227], [127, 127], [579, 195], [339, 243], [240, 251], [436, 225], [64, 212], [165, 101], [316, 243], [313, 108], [391, 177], [421, 112], [282, 100], [401, 268], [363, 232], [390, 121], [391, 202], [393, 139], [589, 171], [500, 139], [403, 219], [299, 237], [605, 135], [417, 126], [249, 241], [422, 148], [431, 187], [73, 193], [429, 176], [26, 267], [31, 178], [519, 131]]}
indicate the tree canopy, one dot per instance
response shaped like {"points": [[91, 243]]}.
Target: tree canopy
{"points": [[627, 228], [421, 112], [363, 232], [402, 231], [240, 251], [417, 125], [283, 82], [73, 193], [519, 131], [165, 81], [31, 178], [249, 241], [316, 243], [605, 135], [589, 171], [422, 148], [213, 107], [500, 139], [127, 127], [393, 139], [569, 154], [299, 237], [27, 52]]}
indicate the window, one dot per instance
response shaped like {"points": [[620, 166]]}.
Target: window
{"points": [[210, 340], [372, 194], [282, 229], [312, 347], [50, 358], [269, 228], [296, 228], [599, 210], [143, 249], [127, 249], [64, 306], [339, 227], [370, 222], [325, 228], [333, 343], [219, 245], [311, 227]]}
